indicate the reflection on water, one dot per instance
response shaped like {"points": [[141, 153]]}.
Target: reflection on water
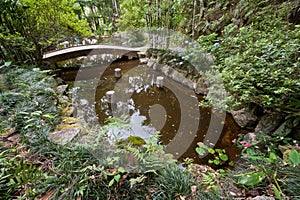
{"points": [[151, 109]]}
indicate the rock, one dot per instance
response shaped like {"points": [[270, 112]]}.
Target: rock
{"points": [[68, 111], [84, 102], [285, 128], [201, 87], [251, 138], [269, 123], [261, 198], [69, 122], [59, 81], [64, 100], [61, 89], [244, 118], [151, 62], [62, 137]]}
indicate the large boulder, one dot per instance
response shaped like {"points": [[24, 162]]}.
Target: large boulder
{"points": [[269, 123], [245, 119]]}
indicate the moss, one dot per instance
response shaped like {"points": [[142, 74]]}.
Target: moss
{"points": [[68, 111], [132, 140], [69, 122], [135, 140]]}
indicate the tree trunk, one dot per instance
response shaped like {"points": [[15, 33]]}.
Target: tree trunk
{"points": [[193, 20]]}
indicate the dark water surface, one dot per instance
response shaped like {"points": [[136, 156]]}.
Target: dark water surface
{"points": [[154, 109]]}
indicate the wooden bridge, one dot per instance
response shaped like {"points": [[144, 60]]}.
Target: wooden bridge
{"points": [[84, 50]]}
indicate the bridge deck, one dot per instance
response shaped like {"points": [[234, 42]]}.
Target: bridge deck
{"points": [[88, 48]]}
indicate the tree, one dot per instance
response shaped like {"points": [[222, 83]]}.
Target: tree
{"points": [[12, 37], [40, 24]]}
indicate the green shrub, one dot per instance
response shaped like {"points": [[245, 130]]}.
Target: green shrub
{"points": [[172, 183], [260, 62]]}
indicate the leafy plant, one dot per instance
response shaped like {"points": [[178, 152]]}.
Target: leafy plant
{"points": [[220, 156], [267, 167], [258, 61], [172, 183], [18, 176]]}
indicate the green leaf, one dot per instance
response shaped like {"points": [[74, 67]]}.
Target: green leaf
{"points": [[272, 156], [121, 170], [117, 177], [252, 179], [216, 162], [277, 192], [223, 157], [48, 116], [201, 149], [294, 158], [111, 182], [211, 151], [231, 163]]}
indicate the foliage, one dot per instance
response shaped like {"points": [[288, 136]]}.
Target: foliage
{"points": [[18, 175], [267, 167], [151, 14], [259, 62], [28, 29], [101, 15], [33, 112], [219, 155], [172, 183]]}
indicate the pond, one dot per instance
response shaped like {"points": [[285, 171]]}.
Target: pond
{"points": [[173, 109]]}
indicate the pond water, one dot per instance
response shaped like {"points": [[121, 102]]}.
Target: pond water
{"points": [[172, 110]]}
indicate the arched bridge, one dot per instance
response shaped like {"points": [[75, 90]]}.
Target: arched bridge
{"points": [[77, 51]]}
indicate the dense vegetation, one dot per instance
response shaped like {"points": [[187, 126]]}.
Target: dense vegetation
{"points": [[256, 48]]}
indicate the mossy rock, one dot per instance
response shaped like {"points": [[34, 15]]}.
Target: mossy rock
{"points": [[131, 140], [69, 122], [68, 111], [136, 140]]}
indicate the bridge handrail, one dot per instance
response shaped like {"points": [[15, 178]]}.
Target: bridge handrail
{"points": [[91, 47]]}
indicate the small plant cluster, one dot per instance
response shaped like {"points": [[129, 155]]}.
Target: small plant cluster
{"points": [[267, 168], [219, 155]]}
